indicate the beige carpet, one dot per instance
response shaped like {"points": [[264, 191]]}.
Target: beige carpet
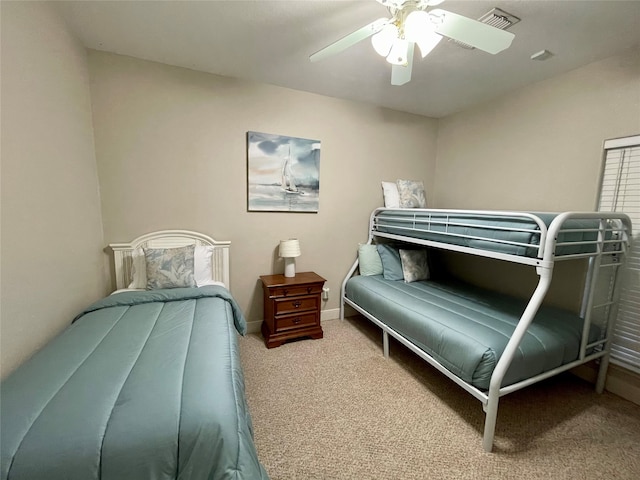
{"points": [[336, 409]]}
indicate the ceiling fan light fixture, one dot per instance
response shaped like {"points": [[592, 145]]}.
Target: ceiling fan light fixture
{"points": [[383, 40], [416, 25], [399, 53], [428, 42], [419, 29]]}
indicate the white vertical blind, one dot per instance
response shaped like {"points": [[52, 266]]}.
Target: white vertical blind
{"points": [[620, 192]]}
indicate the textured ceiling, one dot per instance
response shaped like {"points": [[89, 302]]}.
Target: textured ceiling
{"points": [[270, 42]]}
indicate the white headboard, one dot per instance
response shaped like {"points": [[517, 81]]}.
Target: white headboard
{"points": [[122, 252]]}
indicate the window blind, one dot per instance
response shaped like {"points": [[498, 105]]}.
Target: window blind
{"points": [[620, 192]]}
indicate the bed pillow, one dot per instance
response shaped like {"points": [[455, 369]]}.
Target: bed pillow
{"points": [[411, 194], [414, 265], [391, 263], [390, 193], [369, 262], [202, 266], [169, 267], [138, 270]]}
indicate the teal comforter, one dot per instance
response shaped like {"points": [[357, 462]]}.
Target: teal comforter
{"points": [[143, 385]]}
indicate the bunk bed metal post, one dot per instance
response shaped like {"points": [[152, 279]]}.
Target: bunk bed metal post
{"points": [[344, 286], [354, 267], [491, 407]]}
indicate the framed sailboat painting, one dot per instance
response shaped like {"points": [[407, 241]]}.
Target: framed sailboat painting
{"points": [[283, 173]]}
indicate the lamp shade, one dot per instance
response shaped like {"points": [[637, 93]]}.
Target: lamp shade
{"points": [[399, 52], [289, 248], [419, 29], [383, 40]]}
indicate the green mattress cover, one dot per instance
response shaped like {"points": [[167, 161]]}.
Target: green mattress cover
{"points": [[143, 385], [489, 233], [466, 328]]}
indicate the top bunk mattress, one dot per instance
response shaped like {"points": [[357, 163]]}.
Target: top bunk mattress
{"points": [[513, 233], [466, 329]]}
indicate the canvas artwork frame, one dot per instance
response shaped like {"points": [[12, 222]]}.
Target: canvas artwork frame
{"points": [[283, 173]]}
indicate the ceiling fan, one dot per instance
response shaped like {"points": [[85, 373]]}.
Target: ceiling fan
{"points": [[413, 23]]}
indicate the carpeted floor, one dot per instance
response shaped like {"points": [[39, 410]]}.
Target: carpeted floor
{"points": [[336, 409]]}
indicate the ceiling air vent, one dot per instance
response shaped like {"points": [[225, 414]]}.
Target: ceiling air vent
{"points": [[496, 18]]}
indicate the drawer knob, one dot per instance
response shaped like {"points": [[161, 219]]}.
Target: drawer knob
{"points": [[285, 292], [296, 320], [308, 289], [297, 303]]}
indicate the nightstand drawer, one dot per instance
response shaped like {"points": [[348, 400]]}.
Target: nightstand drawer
{"points": [[295, 304], [289, 322], [292, 291]]}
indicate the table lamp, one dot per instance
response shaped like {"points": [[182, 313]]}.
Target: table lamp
{"points": [[289, 249]]}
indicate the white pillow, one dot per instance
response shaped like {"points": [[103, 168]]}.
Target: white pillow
{"points": [[138, 270], [202, 265], [391, 195]]}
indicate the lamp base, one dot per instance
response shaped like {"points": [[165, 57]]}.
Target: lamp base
{"points": [[289, 267]]}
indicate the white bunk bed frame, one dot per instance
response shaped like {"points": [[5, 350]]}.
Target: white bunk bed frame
{"points": [[610, 247], [123, 253]]}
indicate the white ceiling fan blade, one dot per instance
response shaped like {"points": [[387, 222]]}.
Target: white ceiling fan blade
{"points": [[349, 40], [401, 74], [474, 33]]}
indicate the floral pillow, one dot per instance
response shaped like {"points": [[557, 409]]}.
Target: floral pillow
{"points": [[411, 194], [414, 265], [170, 267]]}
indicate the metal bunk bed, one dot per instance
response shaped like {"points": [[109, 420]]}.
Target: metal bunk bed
{"points": [[535, 239]]}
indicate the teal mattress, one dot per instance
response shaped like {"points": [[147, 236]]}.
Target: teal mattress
{"points": [[466, 329], [497, 233], [143, 385]]}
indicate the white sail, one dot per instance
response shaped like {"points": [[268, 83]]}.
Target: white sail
{"points": [[288, 184]]}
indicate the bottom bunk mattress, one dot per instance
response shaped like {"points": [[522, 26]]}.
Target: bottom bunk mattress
{"points": [[466, 329], [143, 385]]}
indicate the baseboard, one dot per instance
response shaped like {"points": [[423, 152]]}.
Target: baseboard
{"points": [[254, 327], [330, 314], [620, 381]]}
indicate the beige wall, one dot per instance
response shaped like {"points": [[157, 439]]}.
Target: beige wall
{"points": [[52, 264], [171, 152], [537, 149]]}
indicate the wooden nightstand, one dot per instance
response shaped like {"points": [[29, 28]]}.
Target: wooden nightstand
{"points": [[291, 307]]}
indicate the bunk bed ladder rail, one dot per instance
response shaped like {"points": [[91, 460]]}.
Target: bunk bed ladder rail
{"points": [[608, 305]]}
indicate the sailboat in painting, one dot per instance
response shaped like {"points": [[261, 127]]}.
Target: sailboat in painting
{"points": [[288, 183]]}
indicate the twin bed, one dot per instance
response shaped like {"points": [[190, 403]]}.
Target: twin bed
{"points": [[143, 384], [488, 343]]}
